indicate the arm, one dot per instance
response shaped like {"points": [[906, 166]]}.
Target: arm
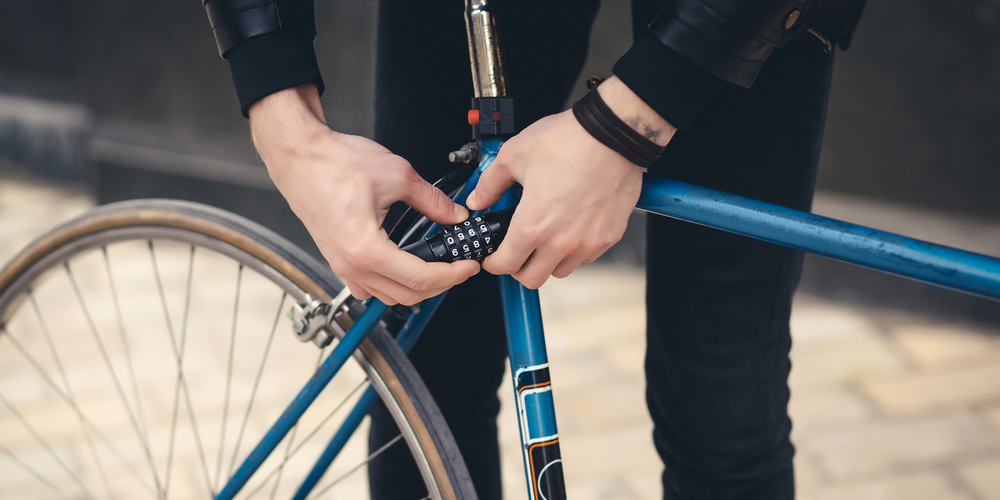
{"points": [[340, 186]]}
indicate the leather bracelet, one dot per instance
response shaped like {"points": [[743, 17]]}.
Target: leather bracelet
{"points": [[599, 121]]}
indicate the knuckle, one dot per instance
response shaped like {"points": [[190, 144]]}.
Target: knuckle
{"points": [[561, 273], [532, 282], [417, 283], [409, 299], [612, 238], [498, 267], [534, 233], [566, 245]]}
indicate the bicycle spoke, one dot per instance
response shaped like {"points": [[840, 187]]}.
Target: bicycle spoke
{"points": [[256, 384], [306, 439], [360, 465], [41, 441], [179, 354], [126, 345], [229, 379], [291, 439], [281, 468], [62, 372], [85, 422], [177, 383], [114, 376], [33, 472]]}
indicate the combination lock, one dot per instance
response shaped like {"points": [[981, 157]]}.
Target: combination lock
{"points": [[474, 239]]}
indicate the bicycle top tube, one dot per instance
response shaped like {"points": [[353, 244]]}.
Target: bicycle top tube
{"points": [[908, 257]]}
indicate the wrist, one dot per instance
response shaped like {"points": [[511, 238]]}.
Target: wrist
{"points": [[632, 110], [286, 119]]}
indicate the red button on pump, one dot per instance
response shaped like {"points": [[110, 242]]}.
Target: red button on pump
{"points": [[474, 117]]}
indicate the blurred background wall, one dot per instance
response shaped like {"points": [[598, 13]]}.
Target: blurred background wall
{"points": [[132, 100]]}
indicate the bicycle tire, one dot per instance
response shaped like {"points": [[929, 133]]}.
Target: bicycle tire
{"points": [[388, 370]]}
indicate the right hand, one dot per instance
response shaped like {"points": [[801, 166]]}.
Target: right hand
{"points": [[341, 187]]}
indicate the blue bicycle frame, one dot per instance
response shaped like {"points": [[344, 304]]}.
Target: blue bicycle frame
{"points": [[938, 265], [935, 264]]}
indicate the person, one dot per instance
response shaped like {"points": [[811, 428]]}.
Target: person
{"points": [[735, 89]]}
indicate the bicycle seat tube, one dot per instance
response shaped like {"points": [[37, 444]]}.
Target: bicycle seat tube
{"points": [[522, 314]]}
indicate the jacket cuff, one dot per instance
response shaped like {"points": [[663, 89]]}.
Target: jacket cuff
{"points": [[676, 89], [265, 64]]}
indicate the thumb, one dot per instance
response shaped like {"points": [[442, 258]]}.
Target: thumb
{"points": [[432, 202], [495, 180]]}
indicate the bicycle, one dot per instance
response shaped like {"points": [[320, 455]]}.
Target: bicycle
{"points": [[103, 259]]}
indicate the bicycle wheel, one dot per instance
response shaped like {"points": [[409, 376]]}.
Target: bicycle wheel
{"points": [[145, 349]]}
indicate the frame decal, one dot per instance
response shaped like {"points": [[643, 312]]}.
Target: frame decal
{"points": [[539, 435]]}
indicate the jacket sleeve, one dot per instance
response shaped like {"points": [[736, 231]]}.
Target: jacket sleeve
{"points": [[694, 47], [268, 43]]}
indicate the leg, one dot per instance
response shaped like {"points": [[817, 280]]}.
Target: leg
{"points": [[423, 86], [718, 304]]}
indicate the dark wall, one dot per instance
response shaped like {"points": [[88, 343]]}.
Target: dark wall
{"points": [[914, 115], [153, 65], [915, 110]]}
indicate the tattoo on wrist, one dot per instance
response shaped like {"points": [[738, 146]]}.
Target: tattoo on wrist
{"points": [[645, 129]]}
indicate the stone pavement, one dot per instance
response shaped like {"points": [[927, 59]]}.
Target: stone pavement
{"points": [[886, 404]]}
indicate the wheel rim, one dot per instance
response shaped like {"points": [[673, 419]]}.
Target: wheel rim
{"points": [[23, 294]]}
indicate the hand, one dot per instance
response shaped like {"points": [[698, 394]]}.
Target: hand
{"points": [[577, 193], [341, 187]]}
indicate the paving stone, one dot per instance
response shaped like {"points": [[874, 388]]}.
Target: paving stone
{"points": [[833, 345], [993, 414], [812, 410], [927, 485], [609, 488], [944, 388], [606, 407], [872, 447], [646, 485], [629, 357], [808, 477], [933, 345], [984, 477], [594, 329], [593, 286]]}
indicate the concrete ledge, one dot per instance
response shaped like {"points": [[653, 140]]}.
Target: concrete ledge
{"points": [[127, 171], [44, 138]]}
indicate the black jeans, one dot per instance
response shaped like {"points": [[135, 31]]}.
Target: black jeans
{"points": [[717, 304]]}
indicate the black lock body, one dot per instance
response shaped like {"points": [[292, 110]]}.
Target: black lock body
{"points": [[474, 239]]}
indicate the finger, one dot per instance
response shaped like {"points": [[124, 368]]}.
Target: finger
{"points": [[431, 201], [357, 291], [401, 294], [568, 265], [494, 182], [417, 275], [385, 298], [514, 250], [538, 268], [597, 253]]}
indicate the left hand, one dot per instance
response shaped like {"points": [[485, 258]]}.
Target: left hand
{"points": [[577, 193]]}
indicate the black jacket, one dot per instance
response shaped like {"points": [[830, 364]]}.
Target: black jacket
{"points": [[688, 53]]}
